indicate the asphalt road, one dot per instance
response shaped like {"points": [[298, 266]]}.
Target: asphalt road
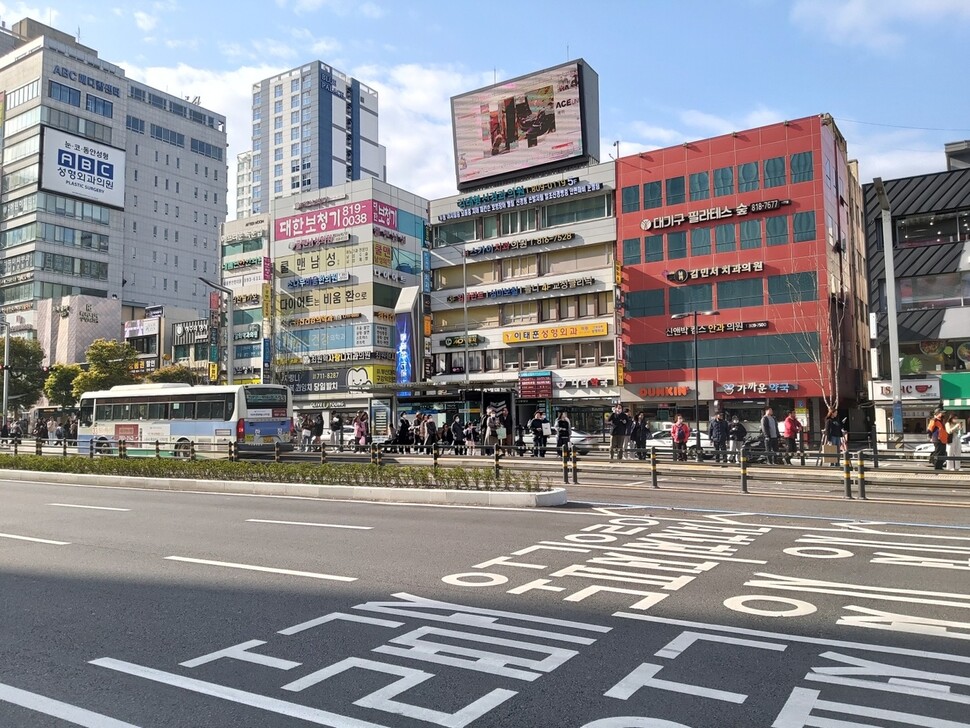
{"points": [[643, 609]]}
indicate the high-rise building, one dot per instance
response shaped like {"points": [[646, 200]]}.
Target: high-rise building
{"points": [[244, 184], [111, 190], [313, 127]]}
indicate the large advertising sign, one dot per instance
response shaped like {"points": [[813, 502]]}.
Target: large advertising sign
{"points": [[77, 167], [315, 222], [533, 121]]}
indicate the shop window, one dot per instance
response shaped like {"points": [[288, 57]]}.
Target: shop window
{"points": [[802, 167], [630, 199], [748, 177], [676, 192], [632, 254], [724, 238], [803, 224], [652, 195], [700, 241], [943, 290], [776, 230], [723, 181], [676, 245], [700, 186], [750, 234], [775, 172], [654, 248]]}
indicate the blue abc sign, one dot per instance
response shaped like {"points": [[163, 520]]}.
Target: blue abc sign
{"points": [[85, 164]]}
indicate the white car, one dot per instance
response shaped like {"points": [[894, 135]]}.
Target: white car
{"points": [[583, 442], [662, 440], [923, 452]]}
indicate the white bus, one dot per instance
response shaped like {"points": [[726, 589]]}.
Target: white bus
{"points": [[256, 417]]}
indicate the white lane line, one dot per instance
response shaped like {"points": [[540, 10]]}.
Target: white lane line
{"points": [[34, 540], [268, 569], [303, 523], [57, 709], [93, 508]]}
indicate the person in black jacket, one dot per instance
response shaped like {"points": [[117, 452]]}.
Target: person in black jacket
{"points": [[639, 436], [539, 436], [718, 432], [619, 426], [564, 431], [736, 435], [458, 435]]}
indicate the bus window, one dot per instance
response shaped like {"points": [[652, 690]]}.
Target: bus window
{"points": [[102, 412], [158, 411], [203, 410], [183, 410], [87, 413], [121, 411], [139, 411]]}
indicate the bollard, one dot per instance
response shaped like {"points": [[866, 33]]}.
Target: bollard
{"points": [[64, 447], [38, 446], [801, 454], [231, 446], [434, 458], [90, 448], [323, 454], [496, 456], [276, 452], [565, 465], [16, 443], [875, 447], [158, 449], [847, 474], [122, 449], [192, 450], [653, 468], [862, 477], [575, 458], [380, 454], [743, 459]]}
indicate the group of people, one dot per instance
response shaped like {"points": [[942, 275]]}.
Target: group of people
{"points": [[52, 431], [311, 432], [945, 431]]}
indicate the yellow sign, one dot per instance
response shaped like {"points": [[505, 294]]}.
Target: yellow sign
{"points": [[380, 374], [267, 304], [620, 374], [213, 372], [553, 333], [327, 260], [250, 380]]}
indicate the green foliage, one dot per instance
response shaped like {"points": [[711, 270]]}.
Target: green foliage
{"points": [[26, 380], [174, 373], [59, 385], [109, 364]]}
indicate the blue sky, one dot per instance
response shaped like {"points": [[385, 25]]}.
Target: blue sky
{"points": [[892, 72]]}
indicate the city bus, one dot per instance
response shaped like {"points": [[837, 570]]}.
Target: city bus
{"points": [[256, 417]]}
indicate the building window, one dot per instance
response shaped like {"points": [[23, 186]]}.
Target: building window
{"points": [[654, 247], [549, 309], [700, 241], [645, 303], [587, 305], [64, 94], [803, 224], [676, 245], [510, 360], [792, 288], [723, 181], [493, 360], [700, 186], [748, 177], [692, 298], [738, 294], [652, 195], [802, 169], [724, 240], [775, 172], [676, 192], [98, 105], [632, 252], [522, 267], [590, 208], [630, 198], [750, 234], [568, 355], [776, 230]]}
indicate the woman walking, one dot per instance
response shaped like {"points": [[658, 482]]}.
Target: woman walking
{"points": [[954, 449]]}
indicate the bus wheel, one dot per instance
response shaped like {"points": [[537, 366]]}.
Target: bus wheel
{"points": [[183, 449]]}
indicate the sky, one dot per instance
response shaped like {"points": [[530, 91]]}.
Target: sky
{"points": [[891, 72]]}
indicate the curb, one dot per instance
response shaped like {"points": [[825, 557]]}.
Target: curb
{"points": [[497, 498]]}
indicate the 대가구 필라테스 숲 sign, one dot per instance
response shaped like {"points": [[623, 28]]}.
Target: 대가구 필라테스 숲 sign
{"points": [[707, 215]]}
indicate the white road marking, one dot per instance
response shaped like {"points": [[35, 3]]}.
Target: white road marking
{"points": [[303, 523], [57, 709], [268, 569], [93, 508], [35, 540]]}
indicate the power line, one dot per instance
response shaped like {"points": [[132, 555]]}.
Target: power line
{"points": [[900, 126]]}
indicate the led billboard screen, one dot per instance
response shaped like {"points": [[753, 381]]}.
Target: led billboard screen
{"points": [[535, 121]]}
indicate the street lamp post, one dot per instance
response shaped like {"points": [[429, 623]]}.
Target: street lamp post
{"points": [[230, 358], [6, 367], [697, 402], [891, 315]]}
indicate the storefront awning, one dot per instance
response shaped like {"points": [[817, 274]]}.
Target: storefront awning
{"points": [[955, 390]]}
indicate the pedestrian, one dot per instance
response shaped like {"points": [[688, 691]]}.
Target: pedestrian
{"points": [[404, 434], [718, 433], [430, 435], [540, 429], [306, 433], [490, 425], [628, 437], [940, 439], [833, 437], [361, 432], [337, 431], [318, 432], [564, 433], [519, 440], [769, 429], [59, 434], [619, 423], [471, 437], [639, 436], [458, 435], [792, 432], [954, 430], [51, 429], [737, 432], [5, 433], [680, 436], [72, 431]]}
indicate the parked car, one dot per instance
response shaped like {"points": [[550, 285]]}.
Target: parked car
{"points": [[662, 440], [923, 452], [583, 442]]}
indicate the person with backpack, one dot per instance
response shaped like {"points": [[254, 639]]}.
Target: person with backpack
{"points": [[792, 432], [680, 435]]}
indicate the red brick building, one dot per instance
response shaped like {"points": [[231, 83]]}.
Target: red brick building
{"points": [[762, 226]]}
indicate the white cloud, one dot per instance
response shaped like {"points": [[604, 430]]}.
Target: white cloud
{"points": [[371, 10], [144, 21], [880, 25], [12, 12]]}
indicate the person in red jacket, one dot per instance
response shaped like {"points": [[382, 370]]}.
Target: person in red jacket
{"points": [[940, 438], [680, 434]]}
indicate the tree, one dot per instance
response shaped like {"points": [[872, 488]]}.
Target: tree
{"points": [[59, 386], [26, 382], [109, 364], [174, 373]]}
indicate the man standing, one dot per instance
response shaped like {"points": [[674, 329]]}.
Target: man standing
{"points": [[769, 429], [540, 429], [940, 439], [718, 432], [619, 428], [793, 435], [680, 435], [337, 432]]}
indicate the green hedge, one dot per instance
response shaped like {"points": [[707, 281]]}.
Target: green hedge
{"points": [[388, 476]]}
